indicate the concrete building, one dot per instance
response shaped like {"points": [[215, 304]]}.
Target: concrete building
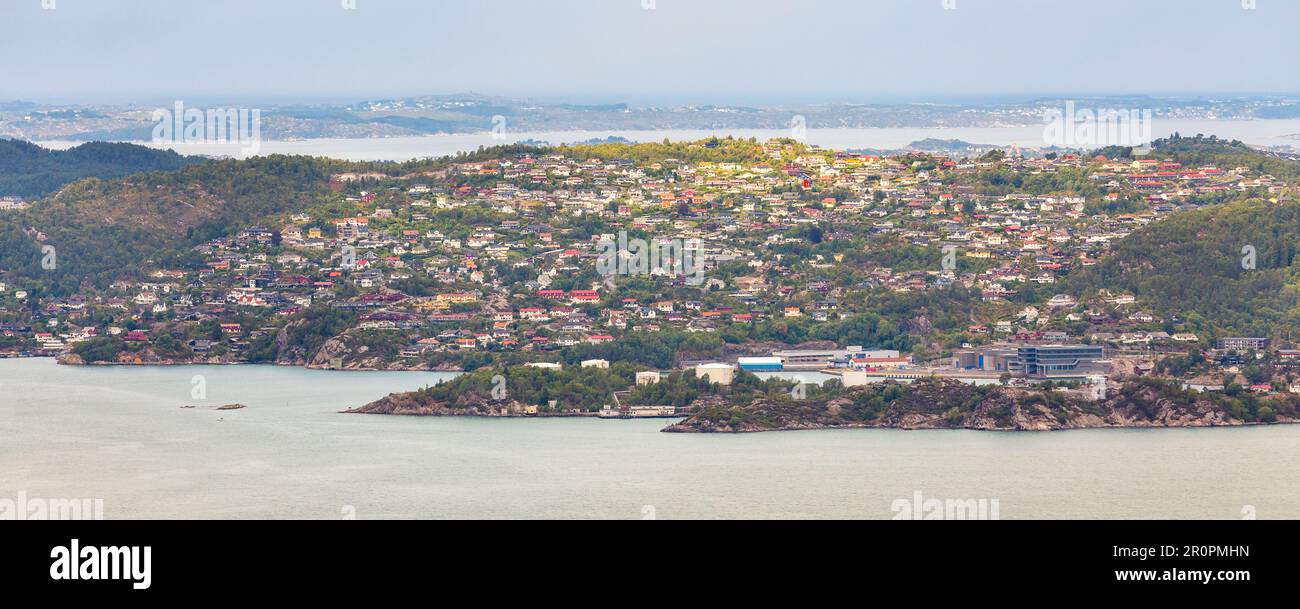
{"points": [[854, 378], [800, 359], [1032, 360], [808, 360], [721, 374], [1056, 360], [647, 378], [991, 359], [1244, 344], [761, 364]]}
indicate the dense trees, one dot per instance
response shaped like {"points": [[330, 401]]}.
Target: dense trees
{"points": [[1196, 264], [103, 231], [30, 171], [571, 388]]}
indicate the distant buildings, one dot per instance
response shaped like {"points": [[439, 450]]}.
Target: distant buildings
{"points": [[852, 357], [807, 359], [988, 359], [720, 374], [761, 364], [1051, 360], [1244, 344], [1031, 360]]}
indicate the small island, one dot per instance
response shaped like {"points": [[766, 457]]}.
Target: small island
{"points": [[226, 407], [744, 403]]}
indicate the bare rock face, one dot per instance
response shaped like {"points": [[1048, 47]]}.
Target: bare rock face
{"points": [[70, 359], [412, 404], [286, 355], [334, 349]]}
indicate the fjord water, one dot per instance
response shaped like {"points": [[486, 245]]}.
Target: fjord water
{"points": [[120, 434], [1266, 132]]}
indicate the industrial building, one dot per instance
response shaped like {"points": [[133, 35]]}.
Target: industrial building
{"points": [[987, 360], [721, 374], [808, 360], [761, 364], [852, 357], [1053, 360], [1031, 360]]}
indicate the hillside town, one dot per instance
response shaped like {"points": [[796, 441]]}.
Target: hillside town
{"points": [[755, 251]]}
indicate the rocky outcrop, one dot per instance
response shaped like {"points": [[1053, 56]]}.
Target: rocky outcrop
{"points": [[147, 357], [414, 404], [940, 404], [349, 352]]}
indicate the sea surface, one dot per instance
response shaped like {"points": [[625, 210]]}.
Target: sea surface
{"points": [[1274, 132], [120, 434]]}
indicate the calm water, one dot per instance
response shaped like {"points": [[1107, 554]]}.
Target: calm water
{"points": [[1259, 132], [119, 434]]}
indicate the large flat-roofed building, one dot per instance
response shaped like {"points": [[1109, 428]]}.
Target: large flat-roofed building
{"points": [[1244, 344], [987, 360], [761, 364], [851, 357], [809, 360], [1032, 360], [1051, 360], [720, 374]]}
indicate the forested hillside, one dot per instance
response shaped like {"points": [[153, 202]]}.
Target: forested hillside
{"points": [[1197, 265], [30, 171], [103, 230]]}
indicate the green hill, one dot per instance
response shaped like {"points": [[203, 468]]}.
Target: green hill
{"points": [[103, 230], [30, 171], [1191, 264]]}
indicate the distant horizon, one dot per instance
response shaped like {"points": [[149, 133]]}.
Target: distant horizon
{"points": [[651, 100]]}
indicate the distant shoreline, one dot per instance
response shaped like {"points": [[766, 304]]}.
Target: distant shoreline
{"points": [[63, 362], [1257, 131]]}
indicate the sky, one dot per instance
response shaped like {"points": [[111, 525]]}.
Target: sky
{"points": [[645, 52]]}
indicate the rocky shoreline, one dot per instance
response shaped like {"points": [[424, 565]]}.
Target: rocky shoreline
{"points": [[400, 404], [72, 359], [932, 404], [928, 404]]}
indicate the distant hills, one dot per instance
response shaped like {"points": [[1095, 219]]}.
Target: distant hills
{"points": [[1196, 265], [474, 113], [936, 146], [106, 229], [30, 171]]}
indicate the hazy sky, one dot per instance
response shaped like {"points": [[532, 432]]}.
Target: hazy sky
{"points": [[735, 51]]}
